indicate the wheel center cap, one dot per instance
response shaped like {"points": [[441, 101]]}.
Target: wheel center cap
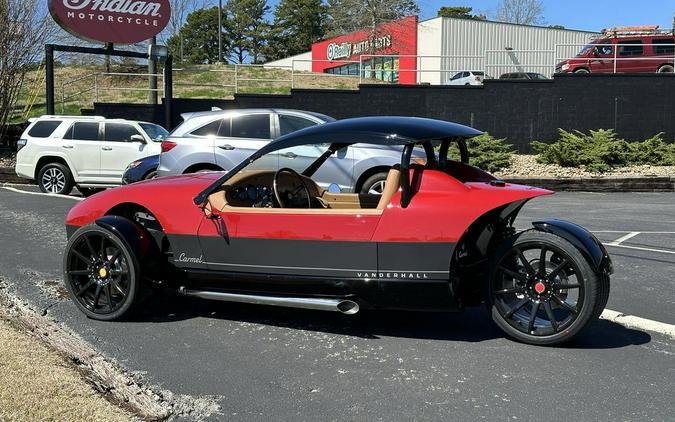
{"points": [[103, 273], [539, 287]]}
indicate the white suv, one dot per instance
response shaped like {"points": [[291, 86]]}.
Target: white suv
{"points": [[60, 152]]}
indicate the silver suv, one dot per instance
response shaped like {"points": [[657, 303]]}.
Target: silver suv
{"points": [[219, 140]]}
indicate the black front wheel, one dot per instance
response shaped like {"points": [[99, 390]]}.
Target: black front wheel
{"points": [[541, 290], [101, 273]]}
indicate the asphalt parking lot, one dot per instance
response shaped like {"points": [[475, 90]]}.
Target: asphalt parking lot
{"points": [[260, 363]]}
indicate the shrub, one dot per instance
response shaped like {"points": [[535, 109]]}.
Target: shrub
{"points": [[654, 151], [600, 150], [486, 152]]}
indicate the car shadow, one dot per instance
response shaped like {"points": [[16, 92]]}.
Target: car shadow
{"points": [[472, 325]]}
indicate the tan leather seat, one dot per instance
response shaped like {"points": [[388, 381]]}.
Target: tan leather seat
{"points": [[391, 186]]}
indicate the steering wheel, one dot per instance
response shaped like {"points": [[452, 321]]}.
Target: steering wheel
{"points": [[277, 194]]}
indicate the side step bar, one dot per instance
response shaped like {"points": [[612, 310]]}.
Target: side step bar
{"points": [[345, 306]]}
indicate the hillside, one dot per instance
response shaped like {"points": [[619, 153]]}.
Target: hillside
{"points": [[81, 86]]}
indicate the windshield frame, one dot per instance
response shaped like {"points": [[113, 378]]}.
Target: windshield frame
{"points": [[153, 126]]}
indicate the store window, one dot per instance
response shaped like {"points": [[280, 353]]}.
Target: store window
{"points": [[379, 68]]}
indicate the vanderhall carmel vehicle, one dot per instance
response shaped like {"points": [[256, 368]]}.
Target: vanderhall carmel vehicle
{"points": [[440, 237]]}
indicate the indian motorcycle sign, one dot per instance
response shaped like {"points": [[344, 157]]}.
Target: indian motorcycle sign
{"points": [[113, 21]]}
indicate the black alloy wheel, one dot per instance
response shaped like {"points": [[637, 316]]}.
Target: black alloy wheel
{"points": [[101, 274], [542, 290]]}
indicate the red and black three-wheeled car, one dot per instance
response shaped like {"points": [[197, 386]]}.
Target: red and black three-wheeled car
{"points": [[439, 238]]}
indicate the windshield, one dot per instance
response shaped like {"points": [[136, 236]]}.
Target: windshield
{"points": [[155, 132], [585, 49]]}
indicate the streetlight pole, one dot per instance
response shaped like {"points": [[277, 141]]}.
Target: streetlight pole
{"points": [[220, 31]]}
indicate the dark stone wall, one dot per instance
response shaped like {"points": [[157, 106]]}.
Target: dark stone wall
{"points": [[637, 106]]}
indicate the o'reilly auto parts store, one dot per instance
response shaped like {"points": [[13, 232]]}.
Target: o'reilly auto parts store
{"points": [[431, 51]]}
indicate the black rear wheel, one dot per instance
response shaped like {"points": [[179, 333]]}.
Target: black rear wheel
{"points": [[541, 290], [101, 273]]}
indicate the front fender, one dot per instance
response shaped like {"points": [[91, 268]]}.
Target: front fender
{"points": [[582, 239], [136, 238]]}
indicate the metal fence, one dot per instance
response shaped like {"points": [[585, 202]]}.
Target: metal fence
{"points": [[377, 68]]}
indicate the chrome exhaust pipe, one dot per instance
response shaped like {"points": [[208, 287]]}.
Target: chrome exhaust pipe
{"points": [[345, 306]]}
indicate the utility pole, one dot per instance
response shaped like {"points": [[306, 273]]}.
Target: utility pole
{"points": [[152, 71], [220, 31]]}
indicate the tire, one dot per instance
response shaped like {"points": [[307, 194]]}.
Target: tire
{"points": [[87, 192], [101, 273], [531, 306], [150, 175], [374, 185], [666, 68], [581, 70], [55, 178]]}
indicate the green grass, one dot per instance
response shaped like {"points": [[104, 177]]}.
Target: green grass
{"points": [[187, 80]]}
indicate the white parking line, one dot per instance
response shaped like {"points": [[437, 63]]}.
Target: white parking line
{"points": [[53, 195], [627, 231], [618, 241], [639, 323], [638, 248]]}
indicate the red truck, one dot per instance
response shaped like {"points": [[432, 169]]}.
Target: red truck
{"points": [[628, 49]]}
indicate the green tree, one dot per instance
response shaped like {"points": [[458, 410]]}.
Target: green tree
{"points": [[297, 24], [197, 40], [460, 12], [247, 28]]}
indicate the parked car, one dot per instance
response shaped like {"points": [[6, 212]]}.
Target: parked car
{"points": [[61, 152], [440, 237], [523, 75], [141, 169], [642, 49], [473, 77], [218, 140]]}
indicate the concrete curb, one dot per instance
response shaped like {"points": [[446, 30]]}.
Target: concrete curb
{"points": [[571, 184], [8, 175], [600, 184]]}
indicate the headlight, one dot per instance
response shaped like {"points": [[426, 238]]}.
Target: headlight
{"points": [[20, 144], [134, 164], [565, 66]]}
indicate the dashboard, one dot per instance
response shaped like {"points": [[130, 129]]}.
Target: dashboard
{"points": [[257, 196]]}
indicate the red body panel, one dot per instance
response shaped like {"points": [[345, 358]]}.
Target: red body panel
{"points": [[440, 211]]}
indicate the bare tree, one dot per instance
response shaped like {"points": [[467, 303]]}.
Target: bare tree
{"points": [[24, 27], [352, 15], [525, 12]]}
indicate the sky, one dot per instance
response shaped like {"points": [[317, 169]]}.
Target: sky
{"points": [[590, 15]]}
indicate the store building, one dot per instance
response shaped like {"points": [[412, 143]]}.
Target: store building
{"points": [[432, 51]]}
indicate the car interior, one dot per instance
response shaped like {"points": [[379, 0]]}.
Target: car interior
{"points": [[275, 191]]}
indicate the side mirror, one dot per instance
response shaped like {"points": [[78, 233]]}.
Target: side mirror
{"points": [[596, 52], [138, 138], [334, 188]]}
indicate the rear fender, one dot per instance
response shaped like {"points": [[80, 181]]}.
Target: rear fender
{"points": [[590, 247]]}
